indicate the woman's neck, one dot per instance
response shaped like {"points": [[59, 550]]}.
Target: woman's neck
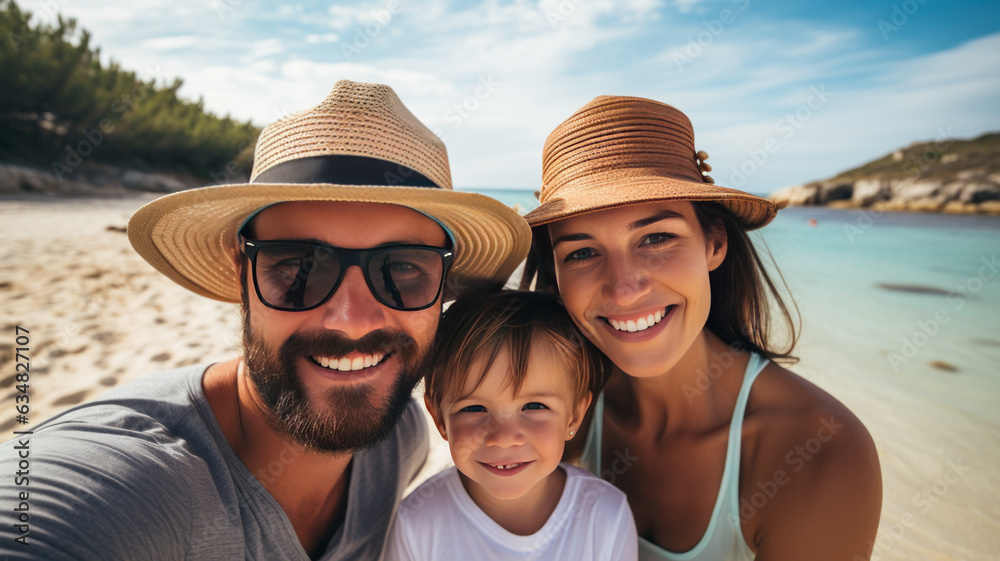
{"points": [[696, 392]]}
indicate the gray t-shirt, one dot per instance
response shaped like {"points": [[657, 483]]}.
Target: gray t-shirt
{"points": [[144, 472]]}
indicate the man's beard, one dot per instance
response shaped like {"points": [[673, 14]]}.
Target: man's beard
{"points": [[346, 419]]}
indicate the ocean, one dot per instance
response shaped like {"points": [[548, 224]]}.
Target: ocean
{"points": [[901, 322]]}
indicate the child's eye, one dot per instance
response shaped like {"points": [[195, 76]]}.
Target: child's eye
{"points": [[533, 406], [473, 409], [657, 239], [580, 255]]}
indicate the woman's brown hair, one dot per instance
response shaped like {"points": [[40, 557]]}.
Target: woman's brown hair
{"points": [[743, 292]]}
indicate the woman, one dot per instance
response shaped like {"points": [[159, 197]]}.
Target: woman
{"points": [[724, 455]]}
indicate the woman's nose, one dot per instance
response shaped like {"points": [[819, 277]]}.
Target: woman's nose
{"points": [[626, 280]]}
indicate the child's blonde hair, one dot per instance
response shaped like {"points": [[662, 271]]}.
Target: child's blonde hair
{"points": [[478, 327]]}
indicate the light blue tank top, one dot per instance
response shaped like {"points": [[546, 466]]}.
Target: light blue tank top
{"points": [[723, 540]]}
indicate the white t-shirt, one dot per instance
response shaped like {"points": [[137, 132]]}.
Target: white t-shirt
{"points": [[439, 522]]}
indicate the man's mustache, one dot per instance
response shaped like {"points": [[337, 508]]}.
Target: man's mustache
{"points": [[382, 341]]}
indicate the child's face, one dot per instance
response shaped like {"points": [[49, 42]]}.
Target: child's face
{"points": [[506, 444]]}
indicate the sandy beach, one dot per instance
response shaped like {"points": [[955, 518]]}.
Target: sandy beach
{"points": [[98, 316]]}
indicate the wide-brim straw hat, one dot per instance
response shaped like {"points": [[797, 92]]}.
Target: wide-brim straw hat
{"points": [[617, 151], [360, 144]]}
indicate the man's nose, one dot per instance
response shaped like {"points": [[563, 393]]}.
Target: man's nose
{"points": [[353, 310]]}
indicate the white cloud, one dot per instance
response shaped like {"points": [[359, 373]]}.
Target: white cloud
{"points": [[170, 43], [265, 48], [314, 38]]}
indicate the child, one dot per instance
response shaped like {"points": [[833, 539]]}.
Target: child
{"points": [[508, 381]]}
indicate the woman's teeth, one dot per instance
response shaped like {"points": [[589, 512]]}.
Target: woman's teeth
{"points": [[348, 364], [640, 324]]}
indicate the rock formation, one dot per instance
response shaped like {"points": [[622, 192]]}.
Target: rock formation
{"points": [[948, 175]]}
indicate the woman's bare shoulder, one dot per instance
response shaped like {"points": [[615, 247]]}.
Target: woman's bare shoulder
{"points": [[817, 467]]}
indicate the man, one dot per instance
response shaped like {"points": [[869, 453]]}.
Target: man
{"points": [[338, 249]]}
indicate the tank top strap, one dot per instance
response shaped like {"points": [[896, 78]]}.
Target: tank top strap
{"points": [[590, 458], [754, 367]]}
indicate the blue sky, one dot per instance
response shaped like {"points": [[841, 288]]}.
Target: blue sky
{"points": [[825, 85]]}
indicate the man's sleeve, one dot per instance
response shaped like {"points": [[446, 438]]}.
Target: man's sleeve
{"points": [[82, 492]]}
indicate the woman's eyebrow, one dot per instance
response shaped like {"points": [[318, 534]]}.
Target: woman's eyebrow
{"points": [[641, 223], [571, 238], [662, 215]]}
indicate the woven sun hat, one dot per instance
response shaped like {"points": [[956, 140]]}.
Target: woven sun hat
{"points": [[617, 151], [360, 144]]}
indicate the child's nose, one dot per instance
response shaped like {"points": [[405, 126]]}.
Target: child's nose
{"points": [[505, 433]]}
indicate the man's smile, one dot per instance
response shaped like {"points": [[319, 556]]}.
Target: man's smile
{"points": [[349, 364]]}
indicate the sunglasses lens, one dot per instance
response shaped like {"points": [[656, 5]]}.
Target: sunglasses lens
{"points": [[295, 276], [405, 278]]}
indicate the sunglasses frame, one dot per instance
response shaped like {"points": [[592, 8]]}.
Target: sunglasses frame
{"points": [[348, 257]]}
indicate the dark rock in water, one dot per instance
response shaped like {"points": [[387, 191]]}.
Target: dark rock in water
{"points": [[913, 289], [942, 365], [988, 342]]}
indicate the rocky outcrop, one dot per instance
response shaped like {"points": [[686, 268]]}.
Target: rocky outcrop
{"points": [[957, 176], [97, 180]]}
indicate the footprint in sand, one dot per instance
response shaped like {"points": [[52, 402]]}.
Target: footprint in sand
{"points": [[72, 399], [160, 357], [108, 381], [8, 425]]}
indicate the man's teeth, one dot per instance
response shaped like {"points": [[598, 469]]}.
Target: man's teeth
{"points": [[347, 364], [505, 466], [640, 324]]}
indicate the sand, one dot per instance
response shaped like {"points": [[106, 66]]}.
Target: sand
{"points": [[99, 316]]}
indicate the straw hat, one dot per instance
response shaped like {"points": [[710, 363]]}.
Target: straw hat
{"points": [[360, 144], [618, 151]]}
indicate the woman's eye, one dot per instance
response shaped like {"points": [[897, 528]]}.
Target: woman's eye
{"points": [[657, 239], [580, 255], [473, 409], [534, 405]]}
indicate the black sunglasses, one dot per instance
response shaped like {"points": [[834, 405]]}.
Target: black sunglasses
{"points": [[295, 276]]}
